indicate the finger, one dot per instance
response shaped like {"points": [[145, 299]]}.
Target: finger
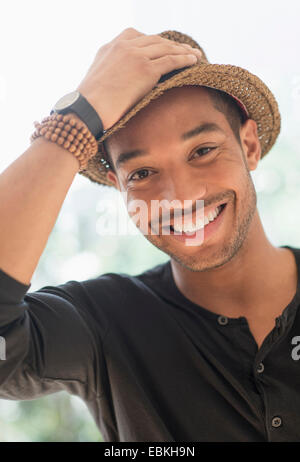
{"points": [[189, 47], [146, 40], [168, 63], [159, 50], [128, 34], [194, 50]]}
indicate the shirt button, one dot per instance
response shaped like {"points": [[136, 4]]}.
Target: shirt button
{"points": [[276, 422], [222, 320], [260, 368]]}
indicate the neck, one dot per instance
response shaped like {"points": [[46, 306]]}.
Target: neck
{"points": [[252, 279]]}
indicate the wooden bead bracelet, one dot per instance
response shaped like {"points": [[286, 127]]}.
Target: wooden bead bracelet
{"points": [[70, 134]]}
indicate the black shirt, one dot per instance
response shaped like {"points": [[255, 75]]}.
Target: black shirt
{"points": [[150, 364]]}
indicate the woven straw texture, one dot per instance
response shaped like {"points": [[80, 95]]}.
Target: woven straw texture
{"points": [[247, 87]]}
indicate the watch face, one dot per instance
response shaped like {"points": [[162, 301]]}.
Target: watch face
{"points": [[66, 100]]}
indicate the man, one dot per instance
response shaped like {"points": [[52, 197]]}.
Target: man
{"points": [[197, 349], [226, 272]]}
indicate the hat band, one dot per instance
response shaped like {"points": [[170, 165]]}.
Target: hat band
{"points": [[241, 105]]}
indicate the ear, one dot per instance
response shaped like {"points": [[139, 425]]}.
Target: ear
{"points": [[250, 143], [111, 176]]}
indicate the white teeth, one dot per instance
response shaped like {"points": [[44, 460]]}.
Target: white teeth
{"points": [[190, 228], [212, 215]]}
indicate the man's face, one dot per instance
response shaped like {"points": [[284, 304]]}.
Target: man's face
{"points": [[209, 166]]}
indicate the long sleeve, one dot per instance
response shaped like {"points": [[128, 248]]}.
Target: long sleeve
{"points": [[52, 342]]}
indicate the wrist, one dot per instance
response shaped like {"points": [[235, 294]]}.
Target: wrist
{"points": [[102, 107], [69, 132]]}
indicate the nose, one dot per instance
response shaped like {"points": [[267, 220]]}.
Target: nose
{"points": [[182, 186]]}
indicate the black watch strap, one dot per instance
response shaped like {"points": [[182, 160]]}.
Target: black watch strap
{"points": [[85, 111]]}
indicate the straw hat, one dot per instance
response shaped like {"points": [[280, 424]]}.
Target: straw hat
{"points": [[251, 94]]}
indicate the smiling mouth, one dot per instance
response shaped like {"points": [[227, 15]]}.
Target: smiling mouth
{"points": [[170, 228]]}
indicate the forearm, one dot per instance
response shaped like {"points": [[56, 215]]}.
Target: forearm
{"points": [[32, 191]]}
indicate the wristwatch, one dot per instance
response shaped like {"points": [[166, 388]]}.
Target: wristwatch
{"points": [[77, 103]]}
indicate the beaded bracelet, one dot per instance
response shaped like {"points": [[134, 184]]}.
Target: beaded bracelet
{"points": [[70, 134]]}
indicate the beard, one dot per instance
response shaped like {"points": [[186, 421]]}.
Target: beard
{"points": [[210, 257]]}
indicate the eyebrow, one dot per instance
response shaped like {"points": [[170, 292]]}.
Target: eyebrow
{"points": [[203, 128]]}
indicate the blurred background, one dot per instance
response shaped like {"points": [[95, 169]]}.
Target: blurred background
{"points": [[45, 51]]}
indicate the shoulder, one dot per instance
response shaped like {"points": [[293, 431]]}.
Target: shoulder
{"points": [[106, 289]]}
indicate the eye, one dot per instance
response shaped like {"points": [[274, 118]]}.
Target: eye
{"points": [[143, 173], [139, 172], [204, 149]]}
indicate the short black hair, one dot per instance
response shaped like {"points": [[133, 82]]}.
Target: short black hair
{"points": [[223, 102]]}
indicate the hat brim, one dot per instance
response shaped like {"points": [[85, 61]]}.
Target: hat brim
{"points": [[249, 89]]}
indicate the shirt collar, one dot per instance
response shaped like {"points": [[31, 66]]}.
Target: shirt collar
{"points": [[180, 300]]}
